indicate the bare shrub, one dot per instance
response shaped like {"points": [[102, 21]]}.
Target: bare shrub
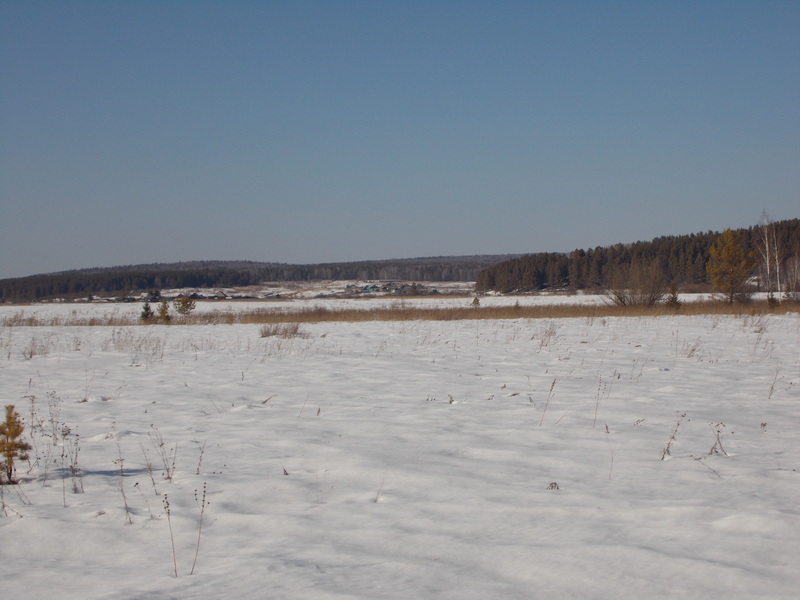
{"points": [[547, 334], [166, 454], [673, 300], [36, 347], [70, 448], [184, 305], [717, 447], [641, 284], [283, 330], [792, 279]]}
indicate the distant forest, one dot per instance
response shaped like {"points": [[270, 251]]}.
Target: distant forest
{"points": [[229, 274], [682, 260]]}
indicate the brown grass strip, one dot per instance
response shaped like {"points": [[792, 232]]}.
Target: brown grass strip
{"points": [[319, 314]]}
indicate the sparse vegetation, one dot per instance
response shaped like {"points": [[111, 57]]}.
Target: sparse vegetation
{"points": [[320, 314], [70, 449], [167, 454], [487, 372], [120, 463]]}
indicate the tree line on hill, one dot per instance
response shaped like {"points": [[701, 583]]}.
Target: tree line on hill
{"points": [[770, 248], [679, 260], [231, 274]]}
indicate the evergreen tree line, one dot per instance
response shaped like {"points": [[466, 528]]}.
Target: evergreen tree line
{"points": [[220, 274], [680, 260]]}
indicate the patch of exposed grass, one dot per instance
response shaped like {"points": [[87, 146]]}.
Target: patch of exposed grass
{"points": [[320, 314], [20, 319]]}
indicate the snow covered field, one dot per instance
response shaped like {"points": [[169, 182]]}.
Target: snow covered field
{"points": [[576, 458]]}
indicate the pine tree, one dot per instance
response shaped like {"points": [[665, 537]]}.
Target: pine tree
{"points": [[730, 266], [11, 448], [163, 311], [147, 312]]}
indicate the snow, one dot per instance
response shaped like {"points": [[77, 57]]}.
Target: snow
{"points": [[406, 459]]}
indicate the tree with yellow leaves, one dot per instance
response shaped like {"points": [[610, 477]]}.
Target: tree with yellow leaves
{"points": [[11, 447], [730, 266]]}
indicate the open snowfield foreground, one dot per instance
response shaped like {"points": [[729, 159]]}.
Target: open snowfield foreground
{"points": [[647, 457]]}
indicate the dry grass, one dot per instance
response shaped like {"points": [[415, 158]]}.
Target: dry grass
{"points": [[20, 319], [317, 314], [283, 330]]}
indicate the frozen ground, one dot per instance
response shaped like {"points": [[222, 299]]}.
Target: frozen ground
{"points": [[406, 460]]}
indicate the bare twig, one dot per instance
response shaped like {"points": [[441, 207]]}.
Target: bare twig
{"points": [[168, 456], [717, 447], [120, 462], [550, 395], [200, 459], [171, 536], [149, 466], [302, 407], [380, 488], [150, 512], [201, 506], [666, 451], [700, 460]]}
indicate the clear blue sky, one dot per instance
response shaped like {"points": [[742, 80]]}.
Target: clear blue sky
{"points": [[300, 132]]}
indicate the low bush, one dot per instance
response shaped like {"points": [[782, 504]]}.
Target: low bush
{"points": [[284, 330]]}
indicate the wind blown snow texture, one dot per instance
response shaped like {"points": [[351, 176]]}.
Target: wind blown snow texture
{"points": [[408, 460]]}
